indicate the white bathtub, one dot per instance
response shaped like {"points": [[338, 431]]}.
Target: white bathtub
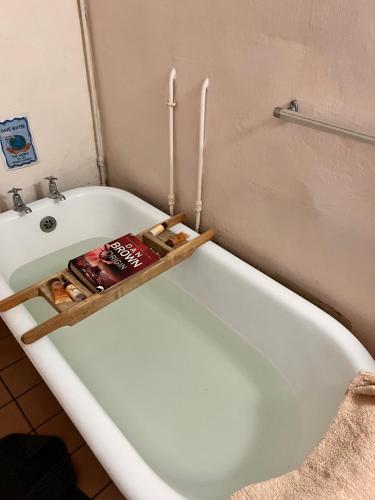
{"points": [[213, 376]]}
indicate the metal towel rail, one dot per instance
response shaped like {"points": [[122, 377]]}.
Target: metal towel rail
{"points": [[291, 114]]}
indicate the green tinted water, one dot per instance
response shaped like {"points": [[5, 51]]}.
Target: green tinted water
{"points": [[206, 411]]}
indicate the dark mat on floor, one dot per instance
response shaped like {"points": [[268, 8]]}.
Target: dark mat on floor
{"points": [[36, 468]]}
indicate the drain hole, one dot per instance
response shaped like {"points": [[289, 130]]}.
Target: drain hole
{"points": [[48, 224]]}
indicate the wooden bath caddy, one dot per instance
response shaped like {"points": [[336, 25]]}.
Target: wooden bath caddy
{"points": [[71, 313]]}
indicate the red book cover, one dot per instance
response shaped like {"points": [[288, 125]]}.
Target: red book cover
{"points": [[113, 262]]}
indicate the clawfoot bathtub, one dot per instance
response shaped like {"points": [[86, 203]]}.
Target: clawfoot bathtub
{"points": [[207, 378]]}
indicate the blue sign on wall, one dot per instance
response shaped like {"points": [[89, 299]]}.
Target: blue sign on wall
{"points": [[17, 143]]}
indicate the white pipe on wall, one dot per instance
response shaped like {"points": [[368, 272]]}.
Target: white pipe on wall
{"points": [[202, 135], [89, 60], [171, 103]]}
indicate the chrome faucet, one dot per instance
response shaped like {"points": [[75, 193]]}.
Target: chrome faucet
{"points": [[53, 192], [19, 205]]}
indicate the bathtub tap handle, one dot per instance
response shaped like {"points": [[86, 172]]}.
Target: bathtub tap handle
{"points": [[53, 192], [14, 190], [19, 205]]}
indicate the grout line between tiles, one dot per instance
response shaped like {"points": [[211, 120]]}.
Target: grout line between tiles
{"points": [[21, 410], [18, 406], [34, 430], [48, 419], [12, 363], [71, 452], [100, 491], [79, 447], [24, 414], [10, 401], [11, 395], [24, 392]]}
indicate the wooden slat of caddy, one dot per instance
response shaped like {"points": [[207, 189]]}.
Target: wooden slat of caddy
{"points": [[69, 316]]}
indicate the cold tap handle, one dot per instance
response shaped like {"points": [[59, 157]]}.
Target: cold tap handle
{"points": [[53, 191], [14, 190]]}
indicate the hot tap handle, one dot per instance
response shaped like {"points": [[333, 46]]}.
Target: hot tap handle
{"points": [[14, 190], [51, 178]]}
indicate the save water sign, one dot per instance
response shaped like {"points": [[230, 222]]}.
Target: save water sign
{"points": [[16, 143]]}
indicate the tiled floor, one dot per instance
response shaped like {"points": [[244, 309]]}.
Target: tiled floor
{"points": [[28, 406]]}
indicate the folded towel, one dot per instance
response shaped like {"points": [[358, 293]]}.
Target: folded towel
{"points": [[342, 466], [364, 384]]}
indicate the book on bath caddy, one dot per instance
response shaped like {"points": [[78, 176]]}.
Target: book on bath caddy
{"points": [[113, 262]]}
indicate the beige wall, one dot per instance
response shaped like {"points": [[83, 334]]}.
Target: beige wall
{"points": [[297, 203], [43, 76]]}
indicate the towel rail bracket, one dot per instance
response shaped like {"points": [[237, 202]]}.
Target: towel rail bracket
{"points": [[291, 113]]}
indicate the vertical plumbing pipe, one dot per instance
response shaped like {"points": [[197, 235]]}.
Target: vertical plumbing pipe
{"points": [[171, 103], [89, 61], [202, 135]]}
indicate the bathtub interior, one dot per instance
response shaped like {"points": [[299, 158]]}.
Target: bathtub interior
{"points": [[200, 370]]}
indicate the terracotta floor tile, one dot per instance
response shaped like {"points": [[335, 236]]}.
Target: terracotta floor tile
{"points": [[91, 477], [20, 376], [62, 426], [110, 493], [10, 351], [4, 330], [39, 404], [12, 420], [5, 397]]}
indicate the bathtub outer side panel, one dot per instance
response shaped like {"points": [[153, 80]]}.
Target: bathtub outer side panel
{"points": [[312, 350]]}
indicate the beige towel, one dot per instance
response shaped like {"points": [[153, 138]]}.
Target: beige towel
{"points": [[342, 466]]}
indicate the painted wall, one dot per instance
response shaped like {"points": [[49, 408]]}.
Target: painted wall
{"points": [[297, 203], [43, 75]]}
